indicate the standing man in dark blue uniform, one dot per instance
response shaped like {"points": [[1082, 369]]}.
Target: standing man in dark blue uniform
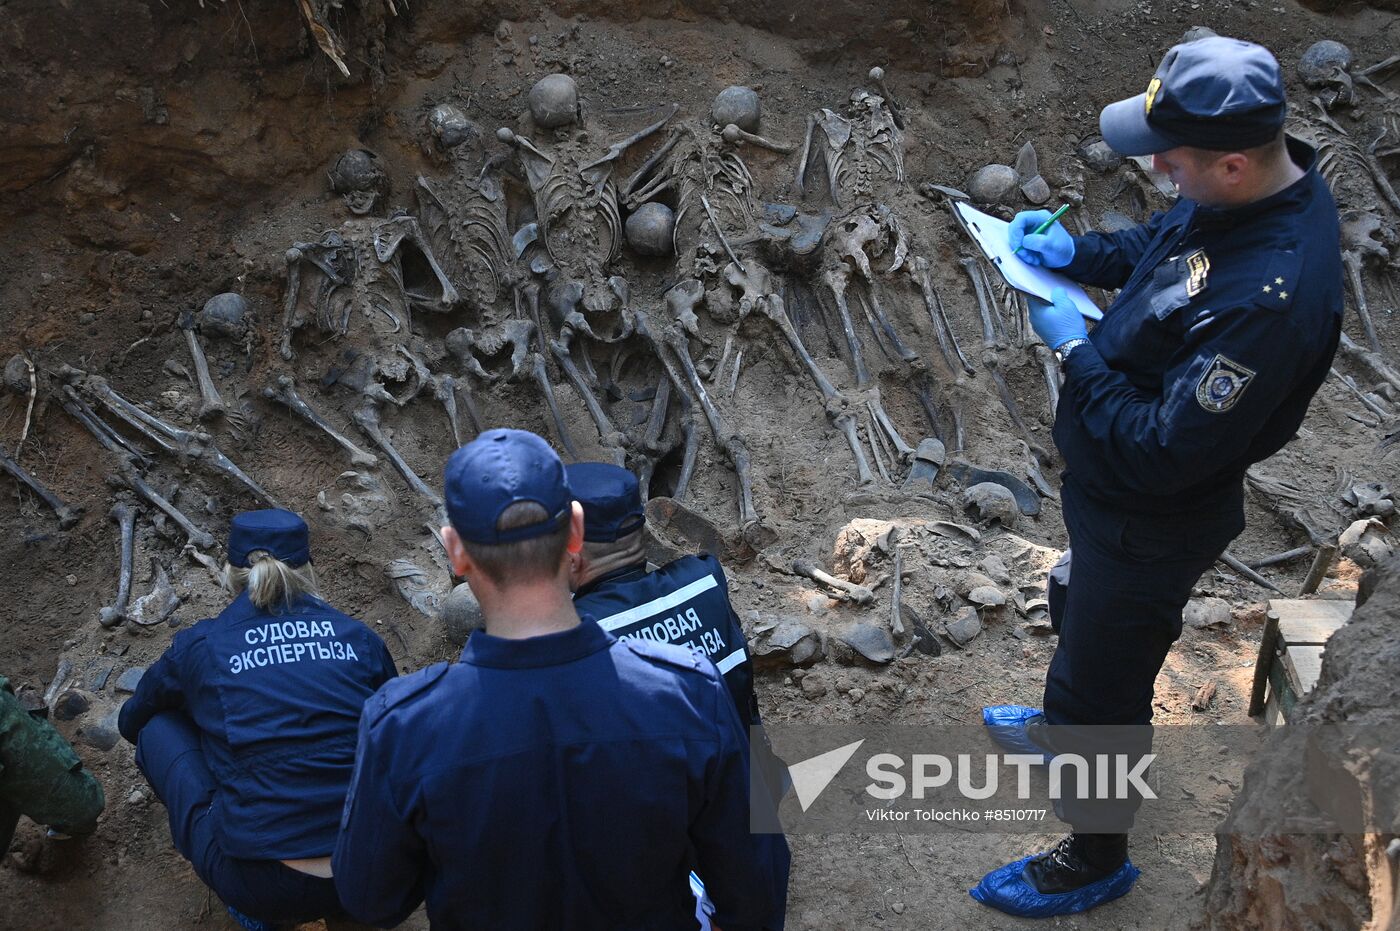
{"points": [[246, 728], [1226, 324], [556, 777]]}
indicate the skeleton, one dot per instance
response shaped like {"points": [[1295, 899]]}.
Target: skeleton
{"points": [[126, 520], [371, 266], [67, 516], [698, 166], [284, 391], [576, 204]]}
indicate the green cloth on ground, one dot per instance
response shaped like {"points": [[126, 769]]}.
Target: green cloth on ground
{"points": [[40, 775]]}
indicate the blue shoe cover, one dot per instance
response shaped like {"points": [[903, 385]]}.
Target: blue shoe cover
{"points": [[1006, 889], [252, 924], [1007, 726]]}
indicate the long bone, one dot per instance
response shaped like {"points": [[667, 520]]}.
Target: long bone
{"points": [[116, 613], [1367, 401], [879, 453], [918, 269], [846, 423], [849, 590], [1352, 260], [541, 376], [649, 448], [211, 404], [984, 308], [284, 391], [1008, 400], [167, 437], [882, 420], [691, 438], [80, 411], [1052, 375], [1371, 360], [877, 77], [445, 391], [606, 431], [67, 516], [838, 278], [366, 417], [733, 135], [198, 537]]}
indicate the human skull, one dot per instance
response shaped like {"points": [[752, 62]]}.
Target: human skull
{"points": [[461, 614], [357, 176], [225, 315], [450, 126], [738, 105], [1325, 67], [994, 184], [554, 101], [649, 229], [992, 502], [17, 375]]}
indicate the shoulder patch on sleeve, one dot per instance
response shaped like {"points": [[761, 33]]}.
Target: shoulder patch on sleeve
{"points": [[1280, 277], [667, 654], [1222, 384], [399, 690]]}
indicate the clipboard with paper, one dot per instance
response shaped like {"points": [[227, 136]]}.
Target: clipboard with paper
{"points": [[991, 235]]}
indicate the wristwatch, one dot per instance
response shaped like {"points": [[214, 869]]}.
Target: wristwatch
{"points": [[1067, 347]]}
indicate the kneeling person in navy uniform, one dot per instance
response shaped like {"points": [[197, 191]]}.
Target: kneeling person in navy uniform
{"points": [[246, 728], [555, 777], [685, 602]]}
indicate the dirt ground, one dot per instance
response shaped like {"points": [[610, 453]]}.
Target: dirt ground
{"points": [[146, 175]]}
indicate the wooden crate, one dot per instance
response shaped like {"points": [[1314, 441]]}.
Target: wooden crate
{"points": [[1290, 656]]}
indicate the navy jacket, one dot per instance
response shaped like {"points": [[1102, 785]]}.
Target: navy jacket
{"points": [[684, 602], [1205, 363], [277, 698], [553, 783]]}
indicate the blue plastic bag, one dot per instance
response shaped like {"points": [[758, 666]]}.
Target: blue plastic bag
{"points": [[1007, 726], [1007, 889]]}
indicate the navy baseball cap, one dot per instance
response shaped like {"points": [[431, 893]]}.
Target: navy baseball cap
{"points": [[500, 468], [1213, 93], [611, 499], [281, 533]]}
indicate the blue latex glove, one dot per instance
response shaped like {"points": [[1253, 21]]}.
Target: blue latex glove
{"points": [[1054, 248], [1057, 322]]}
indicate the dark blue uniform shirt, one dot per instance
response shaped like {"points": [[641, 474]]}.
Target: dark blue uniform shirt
{"points": [[685, 602], [567, 781], [1205, 363], [277, 699]]}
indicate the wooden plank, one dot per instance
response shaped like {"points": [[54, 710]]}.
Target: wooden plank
{"points": [[1304, 666], [1268, 646], [1310, 621]]}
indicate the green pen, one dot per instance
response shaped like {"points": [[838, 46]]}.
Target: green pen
{"points": [[1044, 226]]}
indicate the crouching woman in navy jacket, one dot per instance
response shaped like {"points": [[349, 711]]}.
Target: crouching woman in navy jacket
{"points": [[246, 727]]}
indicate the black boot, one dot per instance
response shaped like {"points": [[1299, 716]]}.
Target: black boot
{"points": [[1077, 861]]}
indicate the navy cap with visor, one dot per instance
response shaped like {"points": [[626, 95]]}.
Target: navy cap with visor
{"points": [[280, 533], [611, 499], [500, 468], [1214, 93]]}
